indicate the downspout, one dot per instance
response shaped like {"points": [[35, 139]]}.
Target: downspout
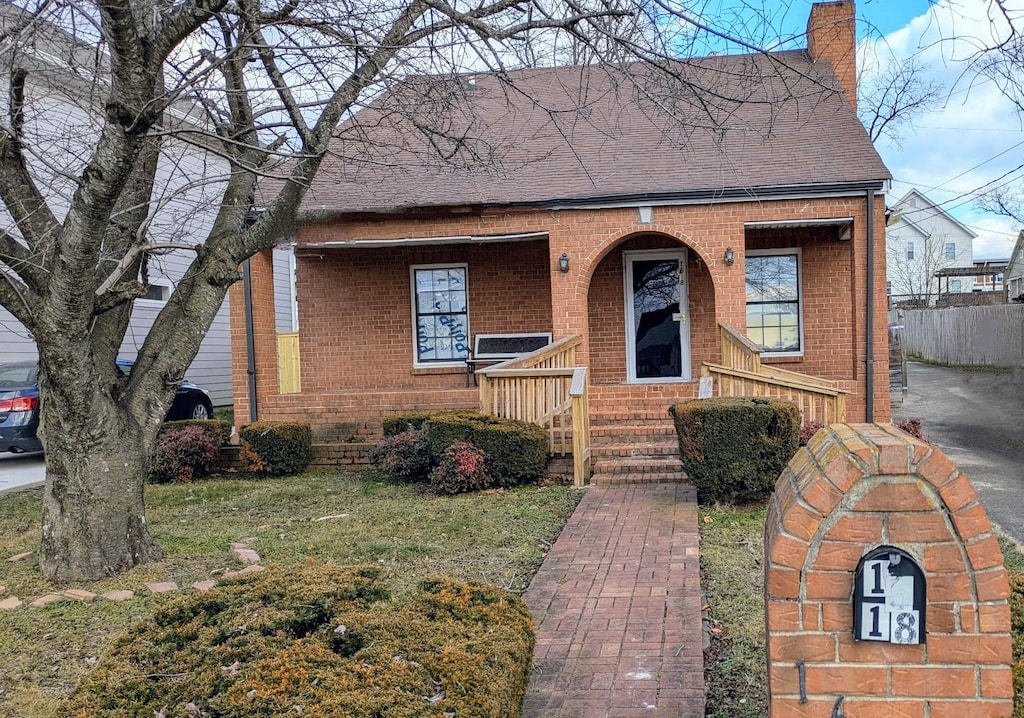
{"points": [[250, 342], [869, 383]]}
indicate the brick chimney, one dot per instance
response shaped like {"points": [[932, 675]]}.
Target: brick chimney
{"points": [[832, 37]]}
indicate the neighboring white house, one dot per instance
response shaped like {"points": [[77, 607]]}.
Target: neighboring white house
{"points": [[921, 239], [61, 102]]}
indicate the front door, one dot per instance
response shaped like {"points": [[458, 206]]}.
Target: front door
{"points": [[657, 325]]}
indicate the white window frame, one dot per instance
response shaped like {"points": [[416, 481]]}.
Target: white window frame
{"points": [[416, 362], [950, 255], [799, 293], [910, 250], [166, 290], [955, 285]]}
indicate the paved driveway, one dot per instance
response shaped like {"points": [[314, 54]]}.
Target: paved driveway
{"points": [[977, 417], [20, 470]]}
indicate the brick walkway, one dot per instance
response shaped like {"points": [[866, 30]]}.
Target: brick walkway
{"points": [[617, 606]]}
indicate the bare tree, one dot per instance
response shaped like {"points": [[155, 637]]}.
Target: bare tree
{"points": [[257, 88], [1006, 201], [1000, 57], [890, 100]]}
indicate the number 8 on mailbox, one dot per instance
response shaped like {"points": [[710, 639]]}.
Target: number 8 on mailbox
{"points": [[889, 597]]}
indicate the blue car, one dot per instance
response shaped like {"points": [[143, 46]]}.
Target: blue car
{"points": [[19, 407], [19, 404]]}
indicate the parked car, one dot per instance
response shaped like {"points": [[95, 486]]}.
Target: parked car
{"points": [[19, 404]]}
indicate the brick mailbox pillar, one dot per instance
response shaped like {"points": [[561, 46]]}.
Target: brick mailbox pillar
{"points": [[868, 500]]}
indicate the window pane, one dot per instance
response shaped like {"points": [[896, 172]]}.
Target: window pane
{"points": [[442, 327], [772, 278], [773, 301]]}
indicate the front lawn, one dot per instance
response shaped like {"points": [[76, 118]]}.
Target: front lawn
{"points": [[498, 536]]}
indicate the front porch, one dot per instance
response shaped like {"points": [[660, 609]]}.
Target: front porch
{"points": [[547, 388]]}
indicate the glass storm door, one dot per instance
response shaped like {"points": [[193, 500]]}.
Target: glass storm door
{"points": [[657, 330]]}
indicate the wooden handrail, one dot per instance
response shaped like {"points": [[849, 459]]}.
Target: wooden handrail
{"points": [[816, 403], [741, 373], [538, 356], [769, 378], [546, 388]]}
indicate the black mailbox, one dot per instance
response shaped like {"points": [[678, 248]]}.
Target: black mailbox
{"points": [[889, 597]]}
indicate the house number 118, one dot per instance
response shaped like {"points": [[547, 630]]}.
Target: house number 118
{"points": [[889, 597]]}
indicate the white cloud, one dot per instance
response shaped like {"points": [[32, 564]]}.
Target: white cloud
{"points": [[952, 153]]}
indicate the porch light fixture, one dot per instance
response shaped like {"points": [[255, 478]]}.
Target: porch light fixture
{"points": [[729, 257], [563, 263]]}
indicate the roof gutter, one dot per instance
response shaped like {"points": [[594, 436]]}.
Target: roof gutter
{"points": [[653, 199]]}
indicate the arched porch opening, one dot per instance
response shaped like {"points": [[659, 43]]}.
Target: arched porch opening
{"points": [[633, 319]]}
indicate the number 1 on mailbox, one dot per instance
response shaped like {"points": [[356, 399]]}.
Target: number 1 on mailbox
{"points": [[889, 597]]}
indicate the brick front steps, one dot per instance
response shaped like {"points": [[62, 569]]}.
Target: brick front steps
{"points": [[634, 442]]}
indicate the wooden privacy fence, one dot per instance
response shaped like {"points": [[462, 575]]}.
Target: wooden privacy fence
{"points": [[546, 388], [288, 373], [742, 374], [984, 336]]}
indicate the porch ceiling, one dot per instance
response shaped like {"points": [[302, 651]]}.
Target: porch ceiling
{"points": [[418, 241], [842, 224]]}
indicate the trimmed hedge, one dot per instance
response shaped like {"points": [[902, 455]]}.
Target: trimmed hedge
{"points": [[733, 449], [318, 640], [218, 429], [277, 447], [394, 425], [516, 451]]}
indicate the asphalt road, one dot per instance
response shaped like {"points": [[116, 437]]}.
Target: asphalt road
{"points": [[20, 470], [977, 417]]}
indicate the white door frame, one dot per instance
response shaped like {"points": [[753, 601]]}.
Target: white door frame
{"points": [[628, 258]]}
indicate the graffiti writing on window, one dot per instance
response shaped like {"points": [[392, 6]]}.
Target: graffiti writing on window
{"points": [[442, 322]]}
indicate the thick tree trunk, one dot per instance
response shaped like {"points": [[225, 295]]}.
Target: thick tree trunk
{"points": [[94, 522]]}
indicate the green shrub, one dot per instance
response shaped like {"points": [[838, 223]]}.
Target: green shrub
{"points": [[277, 447], [182, 454], [318, 640], [1017, 633], [460, 470], [394, 425], [516, 451], [733, 449], [404, 456], [219, 431]]}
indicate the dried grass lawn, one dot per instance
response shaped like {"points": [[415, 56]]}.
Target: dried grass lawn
{"points": [[498, 536]]}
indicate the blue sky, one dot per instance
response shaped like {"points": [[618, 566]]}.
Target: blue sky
{"points": [[971, 141]]}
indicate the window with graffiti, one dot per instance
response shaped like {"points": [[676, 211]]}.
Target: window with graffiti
{"points": [[442, 319]]}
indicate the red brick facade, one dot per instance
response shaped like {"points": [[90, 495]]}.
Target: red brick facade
{"points": [[853, 488], [355, 313]]}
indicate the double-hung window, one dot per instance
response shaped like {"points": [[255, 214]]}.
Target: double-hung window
{"points": [[440, 314], [774, 313], [950, 250]]}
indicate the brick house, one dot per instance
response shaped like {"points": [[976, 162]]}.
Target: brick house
{"points": [[746, 244]]}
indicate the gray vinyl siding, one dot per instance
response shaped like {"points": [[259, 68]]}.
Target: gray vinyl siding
{"points": [[283, 302], [16, 344]]}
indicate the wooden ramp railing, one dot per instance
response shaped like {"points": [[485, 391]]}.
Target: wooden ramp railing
{"points": [[546, 388], [742, 374]]}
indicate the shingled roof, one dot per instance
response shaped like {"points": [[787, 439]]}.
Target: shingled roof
{"points": [[732, 125]]}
